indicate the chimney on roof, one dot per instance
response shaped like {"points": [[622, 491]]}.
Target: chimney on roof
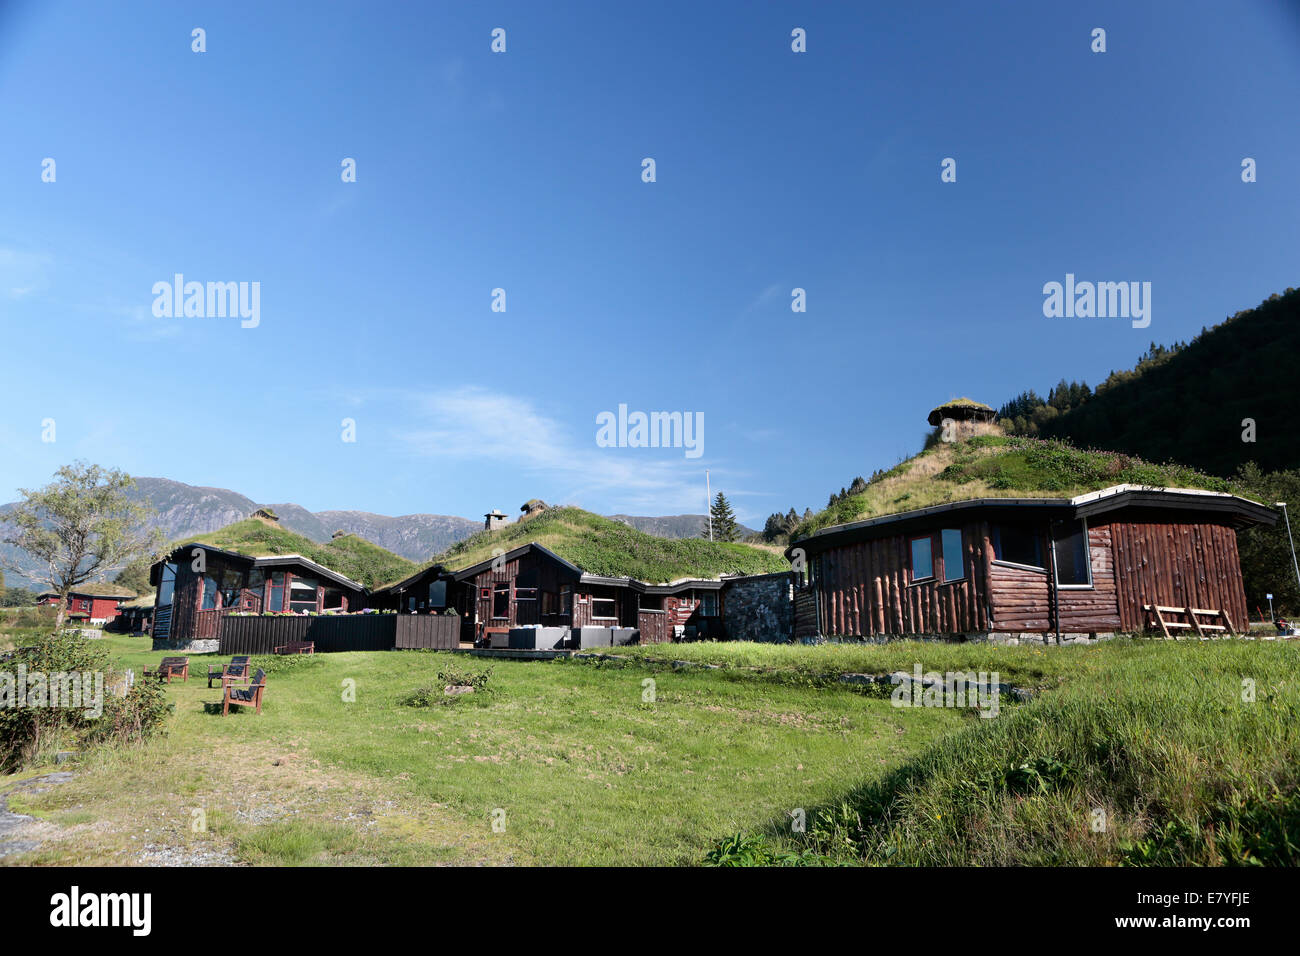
{"points": [[494, 519]]}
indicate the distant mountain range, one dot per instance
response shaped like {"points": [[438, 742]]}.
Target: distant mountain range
{"points": [[672, 526], [184, 510]]}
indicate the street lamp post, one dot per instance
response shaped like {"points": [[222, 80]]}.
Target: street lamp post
{"points": [[1295, 564]]}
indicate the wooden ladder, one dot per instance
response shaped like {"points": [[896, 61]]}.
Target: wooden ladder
{"points": [[1218, 624]]}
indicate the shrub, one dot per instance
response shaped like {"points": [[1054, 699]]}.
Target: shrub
{"points": [[430, 694], [28, 731]]}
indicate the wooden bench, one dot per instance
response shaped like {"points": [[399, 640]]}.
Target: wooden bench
{"points": [[250, 696], [237, 669], [169, 668], [1167, 620], [297, 647]]}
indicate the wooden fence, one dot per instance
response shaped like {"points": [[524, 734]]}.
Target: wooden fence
{"points": [[352, 632], [427, 630]]}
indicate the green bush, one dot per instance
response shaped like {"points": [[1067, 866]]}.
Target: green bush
{"points": [[27, 732]]}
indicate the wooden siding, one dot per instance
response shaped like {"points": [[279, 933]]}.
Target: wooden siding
{"points": [[1023, 599], [653, 626], [1178, 565], [805, 613], [549, 577], [866, 588]]}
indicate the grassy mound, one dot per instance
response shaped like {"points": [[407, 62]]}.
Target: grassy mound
{"points": [[1163, 757], [601, 546], [998, 466], [350, 555]]}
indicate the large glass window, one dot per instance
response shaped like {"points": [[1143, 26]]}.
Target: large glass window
{"points": [[1018, 544], [566, 599], [275, 599], [604, 606], [954, 563], [922, 561], [303, 594], [166, 584], [437, 594], [709, 604], [501, 601], [1070, 542], [210, 588], [232, 586]]}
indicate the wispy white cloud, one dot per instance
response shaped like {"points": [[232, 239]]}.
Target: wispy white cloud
{"points": [[476, 424], [23, 273]]}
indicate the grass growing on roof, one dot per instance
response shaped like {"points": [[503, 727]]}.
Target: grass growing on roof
{"points": [[998, 466], [602, 546], [351, 556]]}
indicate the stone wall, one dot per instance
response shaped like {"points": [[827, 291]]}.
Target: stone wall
{"points": [[758, 608]]}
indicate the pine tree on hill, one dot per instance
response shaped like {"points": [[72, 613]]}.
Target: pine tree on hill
{"points": [[725, 527]]}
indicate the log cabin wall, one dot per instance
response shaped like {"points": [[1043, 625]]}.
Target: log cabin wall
{"points": [[866, 589], [584, 610], [1021, 598], [1184, 564], [545, 610]]}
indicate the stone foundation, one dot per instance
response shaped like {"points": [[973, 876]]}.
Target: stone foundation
{"points": [[193, 647]]}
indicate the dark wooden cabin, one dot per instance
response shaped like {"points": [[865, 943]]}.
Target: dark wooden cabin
{"points": [[533, 585], [190, 601], [1037, 566]]}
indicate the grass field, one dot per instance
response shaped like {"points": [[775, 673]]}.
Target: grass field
{"points": [[587, 771]]}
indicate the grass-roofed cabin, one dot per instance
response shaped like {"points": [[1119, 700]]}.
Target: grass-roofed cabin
{"points": [[533, 585], [1007, 567], [197, 583]]}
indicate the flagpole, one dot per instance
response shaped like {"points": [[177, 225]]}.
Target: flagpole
{"points": [[708, 501]]}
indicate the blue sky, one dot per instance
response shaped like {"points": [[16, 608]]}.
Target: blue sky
{"points": [[522, 171]]}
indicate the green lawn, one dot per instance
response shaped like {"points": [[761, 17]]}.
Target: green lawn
{"points": [[584, 769]]}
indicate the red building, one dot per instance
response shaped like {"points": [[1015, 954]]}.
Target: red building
{"points": [[92, 603]]}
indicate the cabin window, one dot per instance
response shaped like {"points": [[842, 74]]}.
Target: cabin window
{"points": [[650, 602], [922, 560], [333, 599], [210, 588], [501, 600], [549, 603], [1070, 542], [526, 585], [256, 584], [604, 608], [566, 600], [437, 594], [232, 586], [166, 584], [709, 604], [954, 564], [1018, 544], [275, 602], [302, 595]]}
